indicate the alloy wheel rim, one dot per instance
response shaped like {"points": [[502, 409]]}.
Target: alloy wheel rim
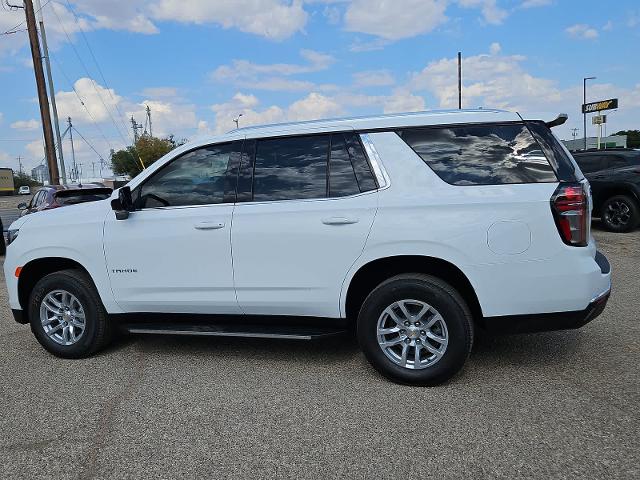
{"points": [[62, 317], [412, 334], [618, 213]]}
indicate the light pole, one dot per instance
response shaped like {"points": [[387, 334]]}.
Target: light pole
{"points": [[237, 119], [584, 114]]}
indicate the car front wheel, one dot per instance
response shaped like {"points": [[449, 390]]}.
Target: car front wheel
{"points": [[415, 329], [67, 316]]}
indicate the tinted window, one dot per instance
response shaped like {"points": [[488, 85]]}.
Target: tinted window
{"points": [[342, 178], [245, 174], [557, 155], [590, 163], [291, 168], [364, 174], [81, 197], [195, 178], [481, 154]]}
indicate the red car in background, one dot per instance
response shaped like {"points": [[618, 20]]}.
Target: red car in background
{"points": [[54, 196]]}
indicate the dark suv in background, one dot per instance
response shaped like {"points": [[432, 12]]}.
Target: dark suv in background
{"points": [[614, 176]]}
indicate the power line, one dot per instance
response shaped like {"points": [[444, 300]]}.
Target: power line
{"points": [[95, 61], [8, 31], [90, 146], [86, 70]]}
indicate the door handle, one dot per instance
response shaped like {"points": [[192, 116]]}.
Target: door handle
{"points": [[209, 225], [339, 221]]}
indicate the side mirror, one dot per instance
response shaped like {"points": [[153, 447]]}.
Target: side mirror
{"points": [[123, 204], [22, 206]]}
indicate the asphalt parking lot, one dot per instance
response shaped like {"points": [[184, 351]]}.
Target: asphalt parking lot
{"points": [[552, 405]]}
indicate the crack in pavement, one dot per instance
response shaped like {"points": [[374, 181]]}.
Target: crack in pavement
{"points": [[107, 416]]}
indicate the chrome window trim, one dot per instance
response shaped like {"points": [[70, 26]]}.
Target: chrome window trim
{"points": [[376, 162]]}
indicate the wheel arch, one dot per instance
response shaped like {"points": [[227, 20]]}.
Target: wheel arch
{"points": [[36, 269], [371, 274], [612, 191]]}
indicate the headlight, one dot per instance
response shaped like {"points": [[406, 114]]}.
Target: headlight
{"points": [[12, 235]]}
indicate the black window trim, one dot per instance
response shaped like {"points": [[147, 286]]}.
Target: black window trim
{"points": [[137, 188], [328, 133], [474, 124]]}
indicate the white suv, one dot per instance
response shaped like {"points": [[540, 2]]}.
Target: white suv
{"points": [[412, 229]]}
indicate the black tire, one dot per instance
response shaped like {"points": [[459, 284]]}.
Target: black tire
{"points": [[620, 222], [98, 329], [434, 292]]}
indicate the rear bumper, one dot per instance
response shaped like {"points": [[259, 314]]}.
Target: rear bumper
{"points": [[545, 322]]}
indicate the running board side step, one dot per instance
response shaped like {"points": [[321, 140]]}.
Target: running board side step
{"points": [[289, 332]]}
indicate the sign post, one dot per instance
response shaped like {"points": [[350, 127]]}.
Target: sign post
{"points": [[597, 107]]}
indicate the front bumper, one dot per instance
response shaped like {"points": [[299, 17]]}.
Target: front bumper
{"points": [[19, 316]]}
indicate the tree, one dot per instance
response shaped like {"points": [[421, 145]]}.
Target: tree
{"points": [[146, 151], [633, 137], [20, 179]]}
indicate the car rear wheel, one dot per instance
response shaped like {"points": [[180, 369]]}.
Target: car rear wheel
{"points": [[415, 329], [620, 214], [67, 316]]}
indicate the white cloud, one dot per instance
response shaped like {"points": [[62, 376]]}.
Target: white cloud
{"points": [[311, 107], [392, 21], [273, 19], [31, 124], [373, 78], [246, 74], [403, 101], [495, 48], [582, 31], [93, 95]]}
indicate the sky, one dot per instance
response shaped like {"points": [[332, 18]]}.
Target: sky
{"points": [[198, 64]]}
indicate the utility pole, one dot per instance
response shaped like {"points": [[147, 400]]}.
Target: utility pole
{"points": [[45, 114], [73, 152], [20, 164], [52, 91], [149, 119], [574, 133], [459, 80], [584, 114], [135, 128]]}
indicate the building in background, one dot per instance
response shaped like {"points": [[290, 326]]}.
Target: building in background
{"points": [[6, 181], [40, 174], [612, 141]]}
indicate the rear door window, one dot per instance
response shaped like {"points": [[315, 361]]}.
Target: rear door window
{"points": [[590, 163], [291, 168], [488, 154]]}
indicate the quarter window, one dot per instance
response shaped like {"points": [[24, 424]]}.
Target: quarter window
{"points": [[481, 154], [196, 178]]}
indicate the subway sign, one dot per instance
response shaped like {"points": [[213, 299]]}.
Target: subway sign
{"points": [[599, 106]]}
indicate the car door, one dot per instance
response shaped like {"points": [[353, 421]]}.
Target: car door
{"points": [[173, 253], [301, 223]]}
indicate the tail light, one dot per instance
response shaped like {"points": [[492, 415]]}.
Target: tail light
{"points": [[570, 207]]}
